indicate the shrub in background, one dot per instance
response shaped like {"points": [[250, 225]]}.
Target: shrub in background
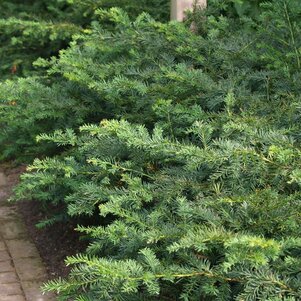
{"points": [[34, 29], [29, 30], [39, 102], [124, 79]]}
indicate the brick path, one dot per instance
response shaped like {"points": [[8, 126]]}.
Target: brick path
{"points": [[21, 268]]}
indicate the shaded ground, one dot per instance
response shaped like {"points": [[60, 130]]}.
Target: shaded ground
{"points": [[22, 271], [54, 243]]}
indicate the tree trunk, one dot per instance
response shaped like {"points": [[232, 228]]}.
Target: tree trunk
{"points": [[178, 7]]}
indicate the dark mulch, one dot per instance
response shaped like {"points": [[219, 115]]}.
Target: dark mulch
{"points": [[54, 243]]}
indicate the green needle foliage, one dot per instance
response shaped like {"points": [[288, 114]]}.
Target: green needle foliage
{"points": [[183, 148], [215, 218], [40, 102], [39, 28], [31, 29]]}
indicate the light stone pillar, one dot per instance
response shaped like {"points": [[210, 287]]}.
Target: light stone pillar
{"points": [[2, 179], [178, 7]]}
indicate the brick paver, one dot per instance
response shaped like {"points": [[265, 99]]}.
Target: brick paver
{"points": [[21, 269]]}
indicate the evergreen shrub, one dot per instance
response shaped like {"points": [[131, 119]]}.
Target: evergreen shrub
{"points": [[193, 170], [184, 146], [39, 28], [32, 101]]}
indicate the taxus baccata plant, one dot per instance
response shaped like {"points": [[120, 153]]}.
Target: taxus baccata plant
{"points": [[40, 102], [197, 192], [38, 28], [144, 57], [215, 218], [125, 79], [29, 30]]}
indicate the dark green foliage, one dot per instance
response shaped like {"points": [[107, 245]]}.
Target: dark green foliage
{"points": [[194, 169], [31, 29], [158, 9], [24, 114], [40, 28], [282, 28], [125, 79], [236, 8]]}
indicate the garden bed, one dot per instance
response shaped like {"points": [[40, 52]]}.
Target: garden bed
{"points": [[55, 242]]}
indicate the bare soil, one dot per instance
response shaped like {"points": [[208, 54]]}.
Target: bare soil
{"points": [[54, 243]]}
